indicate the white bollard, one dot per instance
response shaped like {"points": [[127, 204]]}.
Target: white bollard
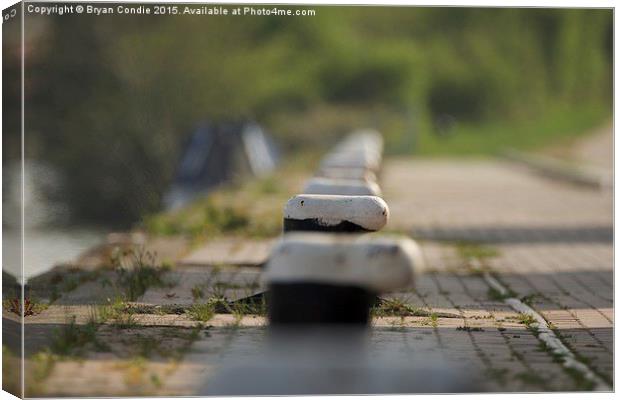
{"points": [[335, 213], [361, 174], [328, 278], [357, 159], [360, 149], [349, 187]]}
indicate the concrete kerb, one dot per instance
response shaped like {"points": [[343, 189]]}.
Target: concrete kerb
{"points": [[548, 336]]}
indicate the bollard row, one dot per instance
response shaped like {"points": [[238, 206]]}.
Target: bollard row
{"points": [[352, 187], [358, 157], [326, 269]]}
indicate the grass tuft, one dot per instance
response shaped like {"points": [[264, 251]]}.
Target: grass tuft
{"points": [[71, 338], [526, 319], [472, 250], [202, 312], [137, 270], [397, 308]]}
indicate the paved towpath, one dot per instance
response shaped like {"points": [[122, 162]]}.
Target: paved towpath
{"points": [[548, 242]]}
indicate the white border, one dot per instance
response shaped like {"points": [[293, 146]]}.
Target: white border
{"points": [[450, 3]]}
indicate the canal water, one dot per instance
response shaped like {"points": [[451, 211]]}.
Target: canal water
{"points": [[48, 238]]}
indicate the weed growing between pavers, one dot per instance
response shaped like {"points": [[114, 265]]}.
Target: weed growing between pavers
{"points": [[530, 378], [32, 306], [243, 307], [197, 292], [214, 289], [471, 250], [475, 256], [137, 270], [230, 210], [71, 338], [432, 320], [118, 313], [527, 320], [396, 308], [202, 312]]}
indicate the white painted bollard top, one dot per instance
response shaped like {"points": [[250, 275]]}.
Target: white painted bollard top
{"points": [[368, 138], [361, 149], [349, 187], [368, 212], [375, 263], [357, 159], [361, 174]]}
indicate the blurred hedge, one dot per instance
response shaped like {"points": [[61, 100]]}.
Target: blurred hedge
{"points": [[110, 98]]}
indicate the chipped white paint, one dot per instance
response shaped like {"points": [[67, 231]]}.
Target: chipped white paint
{"points": [[546, 334], [350, 187], [377, 263], [368, 212], [361, 174]]}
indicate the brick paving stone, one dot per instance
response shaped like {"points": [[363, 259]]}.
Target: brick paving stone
{"points": [[232, 283], [230, 251]]}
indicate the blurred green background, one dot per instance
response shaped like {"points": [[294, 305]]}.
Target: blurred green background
{"points": [[111, 98]]}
